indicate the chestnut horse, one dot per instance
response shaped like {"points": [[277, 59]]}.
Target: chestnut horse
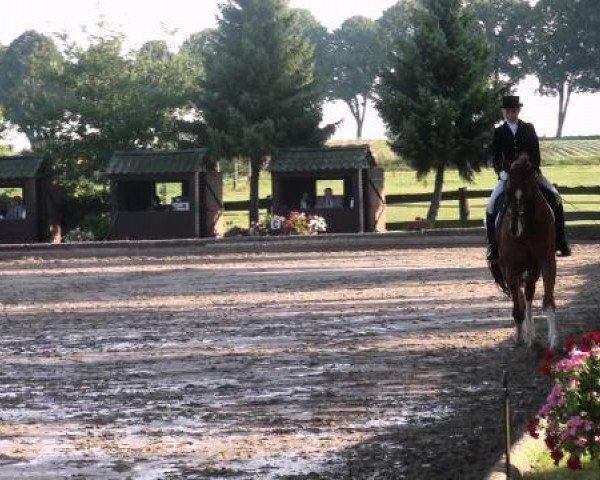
{"points": [[526, 244]]}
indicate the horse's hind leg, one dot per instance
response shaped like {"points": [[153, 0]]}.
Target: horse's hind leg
{"points": [[529, 324], [548, 305]]}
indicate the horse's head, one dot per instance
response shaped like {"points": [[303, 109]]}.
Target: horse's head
{"points": [[520, 191], [522, 174]]}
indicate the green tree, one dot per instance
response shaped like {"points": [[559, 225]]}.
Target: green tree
{"points": [[169, 87], [394, 24], [199, 45], [564, 50], [31, 100], [190, 123], [259, 91], [117, 102], [320, 39], [356, 58], [155, 51], [4, 149], [506, 24], [437, 98]]}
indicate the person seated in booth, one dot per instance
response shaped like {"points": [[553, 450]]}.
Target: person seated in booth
{"points": [[17, 210], [155, 203], [328, 200], [306, 202]]}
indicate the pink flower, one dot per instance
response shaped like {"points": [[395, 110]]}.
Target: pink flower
{"points": [[575, 424], [573, 384], [555, 399], [581, 442], [571, 417], [574, 362]]}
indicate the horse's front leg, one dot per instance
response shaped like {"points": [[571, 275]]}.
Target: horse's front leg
{"points": [[549, 305], [529, 324], [516, 292]]}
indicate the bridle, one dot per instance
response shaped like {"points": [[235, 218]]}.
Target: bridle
{"points": [[516, 200]]}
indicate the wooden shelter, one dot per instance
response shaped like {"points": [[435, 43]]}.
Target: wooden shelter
{"points": [[357, 186], [20, 193], [164, 194]]}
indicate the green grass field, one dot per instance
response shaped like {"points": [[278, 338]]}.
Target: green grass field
{"points": [[404, 181], [533, 458], [543, 468]]}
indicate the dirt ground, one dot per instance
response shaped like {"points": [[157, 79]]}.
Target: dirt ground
{"points": [[324, 365]]}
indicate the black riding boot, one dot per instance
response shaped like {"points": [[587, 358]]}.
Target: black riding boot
{"points": [[492, 251], [562, 245], [561, 237]]}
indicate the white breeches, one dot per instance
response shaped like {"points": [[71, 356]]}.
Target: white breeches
{"points": [[501, 186], [498, 190]]}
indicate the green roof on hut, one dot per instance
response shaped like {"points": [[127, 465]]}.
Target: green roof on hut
{"points": [[352, 157], [19, 166], [153, 162]]}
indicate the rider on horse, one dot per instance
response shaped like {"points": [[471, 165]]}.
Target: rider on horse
{"points": [[510, 139]]}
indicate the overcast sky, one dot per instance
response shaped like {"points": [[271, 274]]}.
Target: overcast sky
{"points": [[174, 20]]}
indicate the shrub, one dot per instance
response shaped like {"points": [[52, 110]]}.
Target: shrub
{"points": [[570, 417], [78, 235]]}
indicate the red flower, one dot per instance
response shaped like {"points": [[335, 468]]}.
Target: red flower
{"points": [[574, 463], [551, 442], [557, 456], [584, 342], [546, 369], [549, 356], [533, 426], [571, 344]]}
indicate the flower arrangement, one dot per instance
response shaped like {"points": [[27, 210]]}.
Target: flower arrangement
{"points": [[297, 223], [570, 417], [78, 235], [317, 224], [258, 229]]}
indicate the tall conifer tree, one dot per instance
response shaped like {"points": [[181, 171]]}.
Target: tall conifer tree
{"points": [[436, 95], [260, 91]]}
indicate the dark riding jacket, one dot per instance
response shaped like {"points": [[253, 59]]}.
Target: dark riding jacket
{"points": [[508, 146]]}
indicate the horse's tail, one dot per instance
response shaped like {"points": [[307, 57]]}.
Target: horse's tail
{"points": [[499, 277]]}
